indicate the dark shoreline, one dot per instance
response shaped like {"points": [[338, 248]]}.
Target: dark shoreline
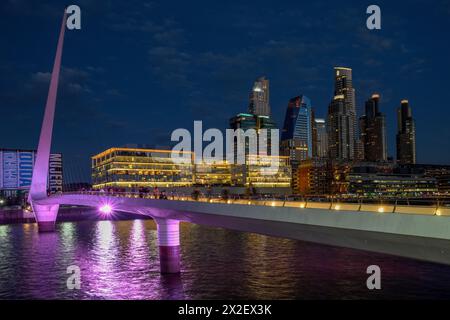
{"points": [[65, 214]]}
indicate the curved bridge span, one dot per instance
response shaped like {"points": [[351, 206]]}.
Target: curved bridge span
{"points": [[419, 236]]}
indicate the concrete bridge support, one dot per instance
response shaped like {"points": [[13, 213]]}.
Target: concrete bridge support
{"points": [[46, 216], [169, 245]]}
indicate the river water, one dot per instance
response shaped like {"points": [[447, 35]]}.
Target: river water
{"points": [[119, 260]]}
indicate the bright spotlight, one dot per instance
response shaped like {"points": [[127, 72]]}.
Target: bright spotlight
{"points": [[105, 209]]}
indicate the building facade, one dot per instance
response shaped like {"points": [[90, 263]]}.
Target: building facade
{"points": [[320, 138], [297, 132], [16, 172], [373, 131], [213, 173], [340, 130], [259, 98], [260, 172], [134, 168], [131, 169], [345, 105], [406, 134], [247, 121], [374, 185], [314, 177]]}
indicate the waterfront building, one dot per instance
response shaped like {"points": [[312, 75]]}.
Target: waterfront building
{"points": [[443, 185], [406, 134], [213, 173], [16, 172], [373, 131], [260, 172], [391, 185], [259, 98], [133, 168], [440, 172]]}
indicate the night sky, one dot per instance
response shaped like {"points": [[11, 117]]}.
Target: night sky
{"points": [[138, 70]]}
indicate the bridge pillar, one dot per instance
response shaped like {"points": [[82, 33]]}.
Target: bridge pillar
{"points": [[169, 245], [45, 216]]}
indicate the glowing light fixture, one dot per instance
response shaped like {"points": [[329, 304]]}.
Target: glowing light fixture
{"points": [[106, 209], [380, 209], [337, 207], [438, 212], [302, 205]]}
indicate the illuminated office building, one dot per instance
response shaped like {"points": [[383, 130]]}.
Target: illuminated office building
{"points": [[391, 185], [373, 131], [213, 173], [259, 98], [341, 120], [320, 142], [274, 176], [340, 130], [406, 135], [247, 121], [314, 177], [297, 133], [135, 168]]}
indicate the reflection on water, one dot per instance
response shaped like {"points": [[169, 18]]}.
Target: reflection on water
{"points": [[119, 260]]}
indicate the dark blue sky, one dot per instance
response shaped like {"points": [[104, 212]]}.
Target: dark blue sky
{"points": [[138, 70]]}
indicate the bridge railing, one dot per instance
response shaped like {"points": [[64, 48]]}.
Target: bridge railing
{"points": [[432, 206]]}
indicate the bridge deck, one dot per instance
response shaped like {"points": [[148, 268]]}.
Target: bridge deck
{"points": [[417, 235]]}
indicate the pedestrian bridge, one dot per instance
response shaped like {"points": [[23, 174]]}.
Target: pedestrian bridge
{"points": [[420, 232]]}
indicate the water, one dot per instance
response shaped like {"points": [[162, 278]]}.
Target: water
{"points": [[119, 260]]}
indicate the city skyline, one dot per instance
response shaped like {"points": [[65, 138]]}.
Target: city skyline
{"points": [[89, 87]]}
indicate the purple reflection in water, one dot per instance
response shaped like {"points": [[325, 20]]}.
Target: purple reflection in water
{"points": [[119, 260]]}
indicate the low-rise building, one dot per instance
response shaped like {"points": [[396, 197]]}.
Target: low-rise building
{"points": [[134, 168], [391, 185]]}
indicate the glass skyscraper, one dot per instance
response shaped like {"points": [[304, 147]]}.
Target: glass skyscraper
{"points": [[259, 98], [321, 138], [406, 135], [297, 133], [373, 131], [342, 116]]}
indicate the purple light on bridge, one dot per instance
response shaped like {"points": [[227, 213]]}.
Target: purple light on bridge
{"points": [[106, 209]]}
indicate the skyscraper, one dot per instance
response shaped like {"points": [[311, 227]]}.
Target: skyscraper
{"points": [[297, 133], [406, 135], [259, 98], [373, 131], [340, 130], [320, 143], [247, 121], [343, 116]]}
